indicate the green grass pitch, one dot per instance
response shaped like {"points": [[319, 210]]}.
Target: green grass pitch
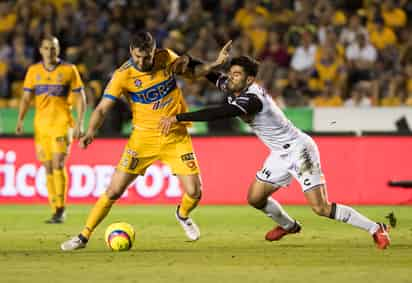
{"points": [[231, 248]]}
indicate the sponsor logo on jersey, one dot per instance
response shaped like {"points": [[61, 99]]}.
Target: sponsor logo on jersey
{"points": [[154, 93], [159, 104]]}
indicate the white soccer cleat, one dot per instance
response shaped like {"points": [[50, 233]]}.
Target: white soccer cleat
{"points": [[74, 243], [190, 228]]}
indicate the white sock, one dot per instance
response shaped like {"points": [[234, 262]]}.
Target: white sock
{"points": [[275, 211], [349, 215]]}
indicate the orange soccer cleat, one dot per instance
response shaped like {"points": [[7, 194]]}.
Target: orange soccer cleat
{"points": [[381, 237], [278, 232]]}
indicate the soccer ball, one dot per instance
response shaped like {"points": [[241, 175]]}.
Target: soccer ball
{"points": [[119, 236]]}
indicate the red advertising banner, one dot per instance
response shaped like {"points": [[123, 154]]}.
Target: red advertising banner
{"points": [[357, 170]]}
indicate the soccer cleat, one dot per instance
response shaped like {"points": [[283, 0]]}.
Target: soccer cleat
{"points": [[278, 232], [74, 243], [190, 228], [381, 237], [56, 218]]}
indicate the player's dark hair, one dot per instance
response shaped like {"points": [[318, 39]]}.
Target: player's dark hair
{"points": [[142, 40], [249, 65]]}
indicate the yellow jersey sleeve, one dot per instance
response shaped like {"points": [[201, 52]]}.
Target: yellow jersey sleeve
{"points": [[172, 56], [76, 84], [28, 85], [114, 88]]}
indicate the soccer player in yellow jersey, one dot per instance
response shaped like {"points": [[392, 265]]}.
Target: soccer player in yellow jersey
{"points": [[147, 81], [54, 84]]}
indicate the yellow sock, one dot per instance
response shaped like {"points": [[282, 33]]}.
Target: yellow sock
{"points": [[66, 187], [98, 213], [51, 193], [187, 205], [60, 184]]}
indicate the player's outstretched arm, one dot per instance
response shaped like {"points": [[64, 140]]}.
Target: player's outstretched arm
{"points": [[24, 106], [96, 121], [193, 68], [80, 109], [207, 114], [200, 70]]}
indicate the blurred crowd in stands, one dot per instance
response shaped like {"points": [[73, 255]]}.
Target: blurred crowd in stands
{"points": [[349, 53]]}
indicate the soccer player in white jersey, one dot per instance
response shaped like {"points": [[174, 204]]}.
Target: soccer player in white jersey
{"points": [[292, 152]]}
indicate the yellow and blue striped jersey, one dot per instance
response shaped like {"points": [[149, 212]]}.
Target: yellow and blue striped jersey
{"points": [[52, 90], [152, 94]]}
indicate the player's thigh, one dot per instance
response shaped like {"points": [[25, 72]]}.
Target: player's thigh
{"points": [[119, 183], [178, 153], [305, 165], [61, 139], [139, 153], [274, 171], [191, 184], [42, 141]]}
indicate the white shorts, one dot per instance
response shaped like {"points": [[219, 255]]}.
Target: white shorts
{"points": [[300, 160]]}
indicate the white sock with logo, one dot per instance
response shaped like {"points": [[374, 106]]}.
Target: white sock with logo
{"points": [[349, 215], [275, 211]]}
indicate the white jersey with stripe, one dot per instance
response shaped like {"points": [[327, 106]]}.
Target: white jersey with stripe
{"points": [[269, 124]]}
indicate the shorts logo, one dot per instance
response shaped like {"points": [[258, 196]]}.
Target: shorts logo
{"points": [[189, 160], [138, 83], [306, 182], [62, 139], [191, 164], [266, 172], [188, 157]]}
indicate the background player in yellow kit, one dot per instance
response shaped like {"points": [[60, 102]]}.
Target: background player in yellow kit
{"points": [[54, 84], [148, 82]]}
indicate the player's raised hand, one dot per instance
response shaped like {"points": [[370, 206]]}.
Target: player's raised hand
{"points": [[19, 128], [224, 53], [86, 140], [166, 123]]}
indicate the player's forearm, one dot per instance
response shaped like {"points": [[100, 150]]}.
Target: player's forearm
{"points": [[210, 114], [96, 121], [24, 106], [81, 108], [203, 69]]}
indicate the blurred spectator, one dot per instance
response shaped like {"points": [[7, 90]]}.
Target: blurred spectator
{"points": [[393, 16], [358, 97], [392, 98], [245, 17], [361, 56], [303, 59], [7, 17], [330, 69], [329, 97], [294, 92], [349, 33], [275, 51], [382, 36]]}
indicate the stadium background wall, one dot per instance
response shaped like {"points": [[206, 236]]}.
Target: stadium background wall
{"points": [[357, 170]]}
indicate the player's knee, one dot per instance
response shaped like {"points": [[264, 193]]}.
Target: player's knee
{"points": [[195, 193], [194, 190], [58, 164], [321, 209], [255, 200]]}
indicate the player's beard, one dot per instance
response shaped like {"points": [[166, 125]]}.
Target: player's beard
{"points": [[235, 87]]}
